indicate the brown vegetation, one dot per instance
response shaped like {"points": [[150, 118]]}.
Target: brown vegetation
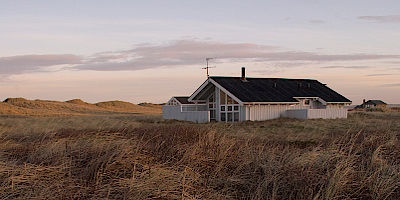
{"points": [[144, 157], [395, 109], [21, 106]]}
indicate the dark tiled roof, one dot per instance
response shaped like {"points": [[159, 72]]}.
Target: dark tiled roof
{"points": [[183, 100], [277, 89], [375, 102]]}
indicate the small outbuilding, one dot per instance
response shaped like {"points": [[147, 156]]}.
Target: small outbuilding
{"points": [[233, 99]]}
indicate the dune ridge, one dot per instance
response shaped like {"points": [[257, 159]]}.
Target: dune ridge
{"points": [[21, 106]]}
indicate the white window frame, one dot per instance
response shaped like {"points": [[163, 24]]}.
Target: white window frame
{"points": [[226, 111], [214, 104]]}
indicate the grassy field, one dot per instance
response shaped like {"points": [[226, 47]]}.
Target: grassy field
{"points": [[145, 157]]}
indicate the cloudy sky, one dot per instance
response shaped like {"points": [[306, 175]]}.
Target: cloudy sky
{"points": [[147, 51]]}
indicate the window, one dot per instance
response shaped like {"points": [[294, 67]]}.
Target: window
{"points": [[229, 108], [223, 117], [307, 102], [229, 100], [222, 108], [236, 116], [236, 108], [212, 114], [229, 117], [211, 98], [222, 97], [211, 107]]}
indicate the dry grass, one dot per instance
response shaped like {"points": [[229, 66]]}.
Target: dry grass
{"points": [[128, 157], [21, 106]]}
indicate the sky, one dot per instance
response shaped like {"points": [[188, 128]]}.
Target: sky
{"points": [[148, 51]]}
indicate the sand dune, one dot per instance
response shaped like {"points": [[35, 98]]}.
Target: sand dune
{"points": [[21, 106]]}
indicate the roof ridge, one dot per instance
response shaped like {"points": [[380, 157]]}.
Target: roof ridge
{"points": [[263, 78]]}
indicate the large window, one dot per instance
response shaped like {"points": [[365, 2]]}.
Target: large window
{"points": [[211, 107], [229, 108], [222, 97]]}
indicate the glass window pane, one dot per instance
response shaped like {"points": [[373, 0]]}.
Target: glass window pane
{"points": [[210, 105], [222, 108], [229, 100], [229, 117], [236, 116], [222, 97], [211, 98], [212, 114], [223, 117], [235, 108], [229, 108]]}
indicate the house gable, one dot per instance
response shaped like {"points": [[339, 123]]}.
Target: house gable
{"points": [[172, 102], [205, 90]]}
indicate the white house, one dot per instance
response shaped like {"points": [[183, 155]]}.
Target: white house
{"points": [[232, 99]]}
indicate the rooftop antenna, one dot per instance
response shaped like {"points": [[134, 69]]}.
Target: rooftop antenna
{"points": [[207, 67]]}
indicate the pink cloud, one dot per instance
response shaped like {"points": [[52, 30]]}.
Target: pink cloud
{"points": [[178, 53], [23, 63], [192, 52]]}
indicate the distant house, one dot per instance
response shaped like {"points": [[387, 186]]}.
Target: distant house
{"points": [[373, 104], [232, 99]]}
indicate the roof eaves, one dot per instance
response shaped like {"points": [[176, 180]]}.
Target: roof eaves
{"points": [[294, 102]]}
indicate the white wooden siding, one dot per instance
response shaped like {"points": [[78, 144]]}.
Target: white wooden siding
{"points": [[243, 113], [265, 112], [175, 112]]}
